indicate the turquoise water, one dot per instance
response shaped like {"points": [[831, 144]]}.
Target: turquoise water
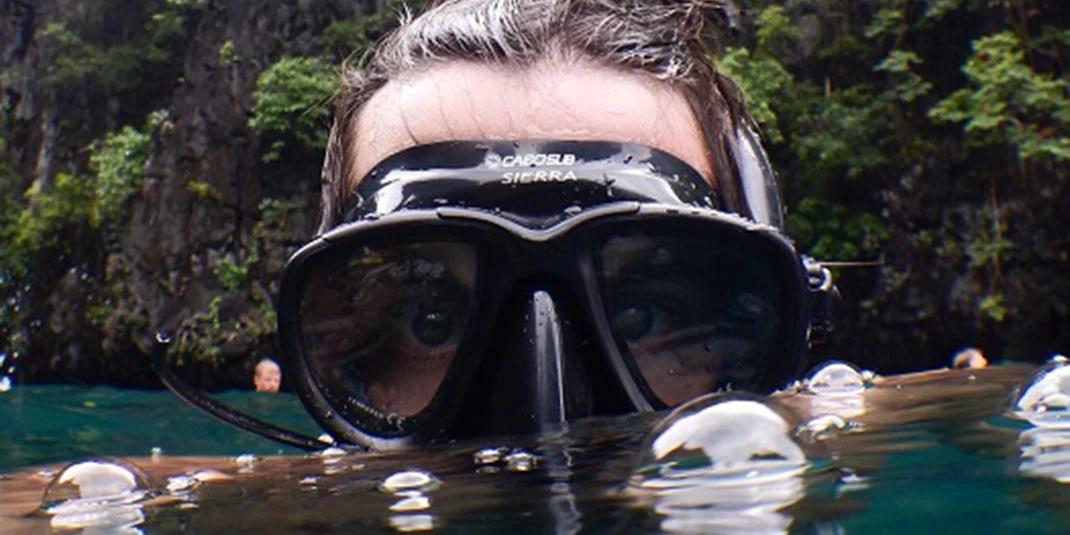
{"points": [[44, 424], [936, 459]]}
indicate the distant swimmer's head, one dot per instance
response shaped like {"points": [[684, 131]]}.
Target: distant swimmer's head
{"points": [[536, 211], [267, 376]]}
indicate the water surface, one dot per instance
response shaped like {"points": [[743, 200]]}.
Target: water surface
{"points": [[929, 453]]}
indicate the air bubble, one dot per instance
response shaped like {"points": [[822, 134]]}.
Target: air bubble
{"points": [[724, 463], [720, 438], [411, 501], [331, 452], [5, 383], [411, 523], [246, 462], [1046, 401], [489, 455], [836, 379], [821, 427], [1044, 452], [181, 484], [96, 494], [417, 480], [519, 461]]}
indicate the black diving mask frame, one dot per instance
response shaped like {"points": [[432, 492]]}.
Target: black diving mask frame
{"points": [[568, 229]]}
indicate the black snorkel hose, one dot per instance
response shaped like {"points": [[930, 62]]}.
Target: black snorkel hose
{"points": [[220, 412]]}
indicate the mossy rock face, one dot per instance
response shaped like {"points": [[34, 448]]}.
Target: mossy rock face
{"points": [[182, 213], [166, 154]]}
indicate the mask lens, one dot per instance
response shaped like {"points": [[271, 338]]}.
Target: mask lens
{"points": [[693, 314], [381, 324]]}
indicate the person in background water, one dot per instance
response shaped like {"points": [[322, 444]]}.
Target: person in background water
{"points": [[267, 376], [969, 358], [535, 211]]}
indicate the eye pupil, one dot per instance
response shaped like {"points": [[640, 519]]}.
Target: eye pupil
{"points": [[432, 327], [634, 322]]}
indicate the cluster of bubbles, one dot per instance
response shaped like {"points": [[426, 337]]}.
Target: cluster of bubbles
{"points": [[834, 392], [1044, 448], [491, 460], [734, 463]]}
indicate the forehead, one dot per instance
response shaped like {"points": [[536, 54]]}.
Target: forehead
{"points": [[550, 100]]}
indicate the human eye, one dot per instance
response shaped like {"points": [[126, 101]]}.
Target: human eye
{"points": [[649, 310], [431, 323]]}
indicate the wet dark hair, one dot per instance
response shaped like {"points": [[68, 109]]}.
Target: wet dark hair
{"points": [[669, 40]]}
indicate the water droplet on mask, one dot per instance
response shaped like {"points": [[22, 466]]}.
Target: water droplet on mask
{"points": [[96, 494], [1046, 401], [409, 480], [5, 383], [836, 379], [1058, 360], [573, 210], [440, 201]]}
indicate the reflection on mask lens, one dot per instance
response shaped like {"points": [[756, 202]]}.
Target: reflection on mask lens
{"points": [[694, 315], [381, 325]]}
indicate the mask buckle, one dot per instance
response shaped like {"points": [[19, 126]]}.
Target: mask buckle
{"points": [[823, 294]]}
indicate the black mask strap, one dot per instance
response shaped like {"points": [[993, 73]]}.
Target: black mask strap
{"points": [[220, 412]]}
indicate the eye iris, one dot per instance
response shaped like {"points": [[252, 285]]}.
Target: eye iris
{"points": [[432, 327], [634, 322]]}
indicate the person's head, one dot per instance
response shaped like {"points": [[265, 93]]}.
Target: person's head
{"points": [[267, 376], [639, 71], [538, 210]]}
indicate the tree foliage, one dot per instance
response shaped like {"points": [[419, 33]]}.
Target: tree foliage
{"points": [[291, 104]]}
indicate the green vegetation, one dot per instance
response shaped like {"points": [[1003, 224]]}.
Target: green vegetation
{"points": [[291, 104], [118, 160], [875, 112], [1007, 103]]}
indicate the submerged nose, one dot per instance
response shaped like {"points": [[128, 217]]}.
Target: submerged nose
{"points": [[534, 377]]}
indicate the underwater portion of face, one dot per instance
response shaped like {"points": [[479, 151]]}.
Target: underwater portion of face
{"points": [[519, 251]]}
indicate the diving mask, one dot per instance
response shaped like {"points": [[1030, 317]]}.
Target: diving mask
{"points": [[476, 288]]}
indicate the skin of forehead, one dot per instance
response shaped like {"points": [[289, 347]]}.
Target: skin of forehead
{"points": [[553, 99]]}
